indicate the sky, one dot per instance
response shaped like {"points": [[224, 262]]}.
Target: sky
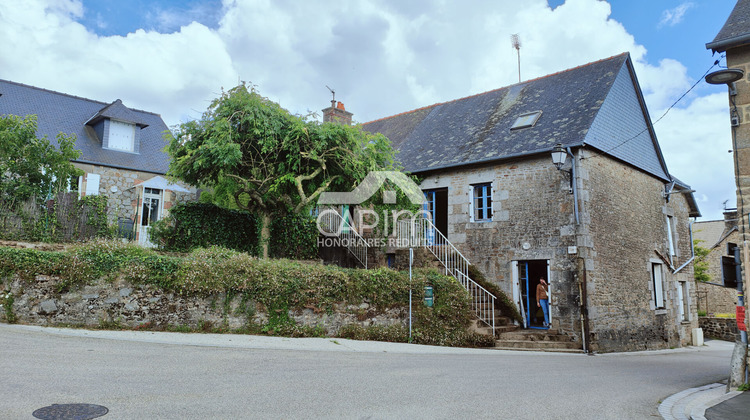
{"points": [[382, 57]]}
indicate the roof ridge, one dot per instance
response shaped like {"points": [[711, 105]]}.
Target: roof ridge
{"points": [[76, 97], [500, 88]]}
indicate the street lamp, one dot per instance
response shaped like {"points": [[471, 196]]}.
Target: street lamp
{"points": [[558, 156], [725, 76]]}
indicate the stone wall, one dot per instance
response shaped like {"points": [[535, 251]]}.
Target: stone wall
{"points": [[121, 303], [624, 234], [720, 328], [716, 299]]}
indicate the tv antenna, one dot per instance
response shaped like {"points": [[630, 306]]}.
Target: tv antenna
{"points": [[333, 99], [515, 40]]}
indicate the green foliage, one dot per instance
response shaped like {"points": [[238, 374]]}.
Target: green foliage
{"points": [[64, 218], [700, 264], [503, 302], [277, 285], [31, 166], [701, 312], [195, 225], [269, 161], [744, 387], [6, 304], [294, 236]]}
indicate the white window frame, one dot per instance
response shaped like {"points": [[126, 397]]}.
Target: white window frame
{"points": [[657, 283], [683, 300], [472, 206]]}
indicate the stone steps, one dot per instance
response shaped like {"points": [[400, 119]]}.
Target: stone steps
{"points": [[545, 340]]}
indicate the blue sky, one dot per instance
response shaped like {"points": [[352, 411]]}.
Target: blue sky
{"points": [[381, 56]]}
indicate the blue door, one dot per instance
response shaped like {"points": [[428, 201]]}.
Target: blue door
{"points": [[529, 273]]}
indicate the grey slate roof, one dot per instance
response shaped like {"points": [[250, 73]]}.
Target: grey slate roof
{"points": [[58, 112], [736, 30], [598, 104]]}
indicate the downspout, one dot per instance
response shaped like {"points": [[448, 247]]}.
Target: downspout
{"points": [[573, 183]]}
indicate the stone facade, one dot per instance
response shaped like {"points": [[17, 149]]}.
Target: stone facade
{"points": [[607, 256], [121, 303], [125, 198]]}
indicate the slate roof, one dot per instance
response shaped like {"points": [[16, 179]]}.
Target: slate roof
{"points": [[736, 30], [59, 112], [598, 104], [712, 233]]}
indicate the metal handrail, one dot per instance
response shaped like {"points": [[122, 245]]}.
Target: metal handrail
{"points": [[334, 224], [421, 232]]}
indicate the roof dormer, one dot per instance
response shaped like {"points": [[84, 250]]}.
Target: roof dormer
{"points": [[117, 128]]}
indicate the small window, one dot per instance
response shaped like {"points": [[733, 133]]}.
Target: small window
{"points": [[670, 235], [121, 136], [482, 202], [658, 288], [682, 300], [526, 120]]}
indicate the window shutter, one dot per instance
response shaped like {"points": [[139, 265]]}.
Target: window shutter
{"points": [[658, 287], [92, 184]]}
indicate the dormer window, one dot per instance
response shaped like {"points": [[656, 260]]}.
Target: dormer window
{"points": [[121, 136], [526, 120]]}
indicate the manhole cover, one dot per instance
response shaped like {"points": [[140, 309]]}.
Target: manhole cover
{"points": [[70, 412]]}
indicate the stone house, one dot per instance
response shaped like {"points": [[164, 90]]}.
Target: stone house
{"points": [[609, 228], [121, 148], [718, 236], [733, 40]]}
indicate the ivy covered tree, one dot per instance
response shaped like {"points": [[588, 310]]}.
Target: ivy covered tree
{"points": [[700, 266], [31, 166], [269, 161]]}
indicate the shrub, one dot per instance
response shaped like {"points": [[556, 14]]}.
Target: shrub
{"points": [[200, 225], [503, 302]]}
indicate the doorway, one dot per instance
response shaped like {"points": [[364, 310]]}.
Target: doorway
{"points": [[436, 204], [150, 213], [526, 275]]}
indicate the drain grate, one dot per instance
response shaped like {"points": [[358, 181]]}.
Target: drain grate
{"points": [[70, 412]]}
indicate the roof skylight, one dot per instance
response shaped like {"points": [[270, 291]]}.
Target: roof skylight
{"points": [[526, 120]]}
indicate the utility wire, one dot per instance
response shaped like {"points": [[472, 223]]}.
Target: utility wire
{"points": [[716, 63]]}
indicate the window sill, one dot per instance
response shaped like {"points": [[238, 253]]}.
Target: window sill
{"points": [[660, 311]]}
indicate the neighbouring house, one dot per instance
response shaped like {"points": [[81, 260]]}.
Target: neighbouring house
{"points": [[733, 39], [718, 237], [122, 151], [608, 226]]}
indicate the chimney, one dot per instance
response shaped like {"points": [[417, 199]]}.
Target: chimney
{"points": [[731, 219], [336, 113]]}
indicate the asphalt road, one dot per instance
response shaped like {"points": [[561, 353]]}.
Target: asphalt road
{"points": [[144, 375]]}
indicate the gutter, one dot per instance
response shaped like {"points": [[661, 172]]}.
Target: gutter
{"points": [[725, 44]]}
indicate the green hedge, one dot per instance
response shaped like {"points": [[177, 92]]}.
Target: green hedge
{"points": [[195, 225], [201, 225], [277, 284]]}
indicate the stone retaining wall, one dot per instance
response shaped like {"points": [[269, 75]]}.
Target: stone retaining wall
{"points": [[721, 328], [113, 303]]}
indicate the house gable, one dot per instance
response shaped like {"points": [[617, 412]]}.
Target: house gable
{"points": [[89, 121], [622, 127]]}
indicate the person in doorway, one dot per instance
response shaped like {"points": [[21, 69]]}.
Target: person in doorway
{"points": [[542, 299]]}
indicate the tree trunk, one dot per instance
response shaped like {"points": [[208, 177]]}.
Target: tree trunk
{"points": [[265, 234]]}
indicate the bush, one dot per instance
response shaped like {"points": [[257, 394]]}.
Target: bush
{"points": [[199, 225]]}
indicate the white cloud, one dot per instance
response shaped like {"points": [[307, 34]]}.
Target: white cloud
{"points": [[672, 17], [381, 56]]}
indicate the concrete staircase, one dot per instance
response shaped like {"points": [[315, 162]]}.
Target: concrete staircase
{"points": [[538, 340]]}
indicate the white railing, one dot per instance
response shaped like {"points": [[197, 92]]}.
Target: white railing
{"points": [[420, 232], [334, 225]]}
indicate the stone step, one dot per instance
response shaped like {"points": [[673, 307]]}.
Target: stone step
{"points": [[534, 336], [505, 344]]}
